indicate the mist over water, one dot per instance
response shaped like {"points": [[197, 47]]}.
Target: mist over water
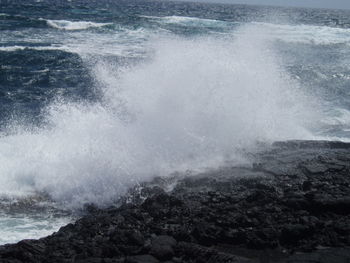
{"points": [[193, 104]]}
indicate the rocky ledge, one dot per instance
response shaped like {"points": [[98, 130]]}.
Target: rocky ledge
{"points": [[291, 205]]}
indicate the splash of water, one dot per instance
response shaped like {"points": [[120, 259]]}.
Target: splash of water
{"points": [[192, 105]]}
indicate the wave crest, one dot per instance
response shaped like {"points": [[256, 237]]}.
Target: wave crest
{"points": [[74, 25]]}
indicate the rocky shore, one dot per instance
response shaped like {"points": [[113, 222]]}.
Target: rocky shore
{"points": [[291, 205]]}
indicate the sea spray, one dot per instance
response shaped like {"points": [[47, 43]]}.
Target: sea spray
{"points": [[191, 105]]}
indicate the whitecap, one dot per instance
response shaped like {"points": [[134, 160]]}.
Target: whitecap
{"points": [[74, 25], [307, 34], [191, 21]]}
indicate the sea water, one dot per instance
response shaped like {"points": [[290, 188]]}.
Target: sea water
{"points": [[98, 96]]}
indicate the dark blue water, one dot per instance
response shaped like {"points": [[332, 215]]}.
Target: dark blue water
{"points": [[96, 96], [36, 65]]}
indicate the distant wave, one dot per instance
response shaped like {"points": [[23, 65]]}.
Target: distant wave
{"points": [[319, 35], [25, 21], [17, 48], [176, 19], [188, 21], [74, 25], [124, 42]]}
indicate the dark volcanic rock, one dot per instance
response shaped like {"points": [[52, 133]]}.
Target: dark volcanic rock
{"points": [[163, 247], [291, 205]]}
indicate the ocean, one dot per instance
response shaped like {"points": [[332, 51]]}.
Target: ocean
{"points": [[99, 96]]}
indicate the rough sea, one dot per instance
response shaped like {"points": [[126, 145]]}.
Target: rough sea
{"points": [[98, 96]]}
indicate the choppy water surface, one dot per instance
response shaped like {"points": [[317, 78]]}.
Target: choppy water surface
{"points": [[98, 96]]}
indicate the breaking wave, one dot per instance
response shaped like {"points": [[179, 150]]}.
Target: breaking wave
{"points": [[191, 21], [193, 105], [74, 25], [307, 34]]}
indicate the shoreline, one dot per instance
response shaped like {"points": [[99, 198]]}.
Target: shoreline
{"points": [[291, 205]]}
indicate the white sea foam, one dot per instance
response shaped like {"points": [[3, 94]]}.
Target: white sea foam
{"points": [[16, 48], [340, 117], [23, 226], [74, 25], [123, 42], [320, 35], [195, 21], [193, 105], [12, 48]]}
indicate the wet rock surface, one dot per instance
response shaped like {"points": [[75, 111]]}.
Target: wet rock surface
{"points": [[291, 205]]}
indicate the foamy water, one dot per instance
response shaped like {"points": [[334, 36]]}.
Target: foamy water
{"points": [[191, 106], [173, 93], [74, 25]]}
